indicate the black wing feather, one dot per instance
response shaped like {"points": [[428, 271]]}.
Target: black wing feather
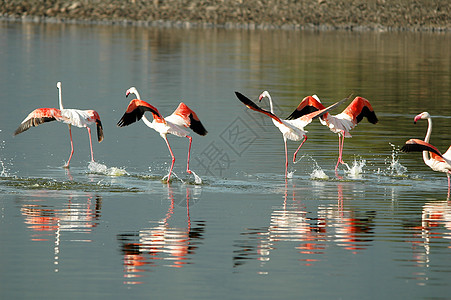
{"points": [[133, 116], [250, 104], [414, 147], [369, 114], [197, 126], [299, 113], [99, 131], [32, 123]]}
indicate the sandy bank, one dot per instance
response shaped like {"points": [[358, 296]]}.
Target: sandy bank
{"points": [[412, 15]]}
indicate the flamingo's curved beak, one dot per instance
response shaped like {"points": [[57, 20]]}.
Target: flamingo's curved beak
{"points": [[127, 93], [415, 120]]}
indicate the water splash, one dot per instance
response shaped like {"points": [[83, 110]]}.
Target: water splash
{"points": [[395, 168], [356, 170], [290, 174], [197, 179], [95, 167], [173, 176], [318, 173], [5, 171]]}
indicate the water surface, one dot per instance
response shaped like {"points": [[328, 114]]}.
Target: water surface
{"points": [[114, 229]]}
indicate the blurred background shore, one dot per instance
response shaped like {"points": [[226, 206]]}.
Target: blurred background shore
{"points": [[380, 15]]}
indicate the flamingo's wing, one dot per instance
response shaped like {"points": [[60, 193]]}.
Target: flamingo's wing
{"points": [[307, 106], [135, 110], [251, 105], [316, 114], [359, 109], [95, 117], [416, 145], [37, 117], [99, 130], [184, 116]]}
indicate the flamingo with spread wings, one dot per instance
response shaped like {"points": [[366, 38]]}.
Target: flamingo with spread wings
{"points": [[175, 123], [342, 123], [431, 155], [75, 117], [291, 129]]}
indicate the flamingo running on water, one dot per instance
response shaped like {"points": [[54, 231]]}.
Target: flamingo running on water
{"points": [[76, 117], [342, 123], [174, 124], [431, 155], [291, 129]]}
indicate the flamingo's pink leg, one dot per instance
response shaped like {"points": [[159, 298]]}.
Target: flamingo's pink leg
{"points": [[286, 157], [172, 154], [189, 151], [90, 143], [71, 147], [295, 153]]}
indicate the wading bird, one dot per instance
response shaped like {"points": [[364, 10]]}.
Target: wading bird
{"points": [[291, 129], [175, 124], [431, 155], [342, 123], [76, 117]]}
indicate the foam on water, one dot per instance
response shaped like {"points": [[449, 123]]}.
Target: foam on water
{"points": [[173, 176], [99, 168], [318, 173], [197, 179], [357, 169]]}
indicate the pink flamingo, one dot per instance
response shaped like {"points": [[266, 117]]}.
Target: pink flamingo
{"points": [[75, 117], [291, 129], [174, 124], [431, 155], [342, 123]]}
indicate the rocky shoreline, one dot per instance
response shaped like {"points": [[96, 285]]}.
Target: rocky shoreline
{"points": [[380, 15]]}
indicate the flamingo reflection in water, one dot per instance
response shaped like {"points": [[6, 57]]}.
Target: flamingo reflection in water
{"points": [[312, 231], [435, 225], [289, 223], [162, 243], [348, 228], [49, 222]]}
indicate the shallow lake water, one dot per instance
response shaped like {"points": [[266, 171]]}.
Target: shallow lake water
{"points": [[113, 229]]}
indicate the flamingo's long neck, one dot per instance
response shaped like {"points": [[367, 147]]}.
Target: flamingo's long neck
{"points": [[271, 108], [144, 118], [270, 104], [426, 139], [60, 98], [428, 133]]}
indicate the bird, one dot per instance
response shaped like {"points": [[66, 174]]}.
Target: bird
{"points": [[174, 124], [342, 123], [431, 155], [291, 129], [75, 117]]}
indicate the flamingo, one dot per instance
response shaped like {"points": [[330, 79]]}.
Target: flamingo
{"points": [[431, 155], [75, 117], [342, 123], [174, 124], [291, 129]]}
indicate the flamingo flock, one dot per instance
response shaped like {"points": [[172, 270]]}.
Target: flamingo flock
{"points": [[292, 128]]}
